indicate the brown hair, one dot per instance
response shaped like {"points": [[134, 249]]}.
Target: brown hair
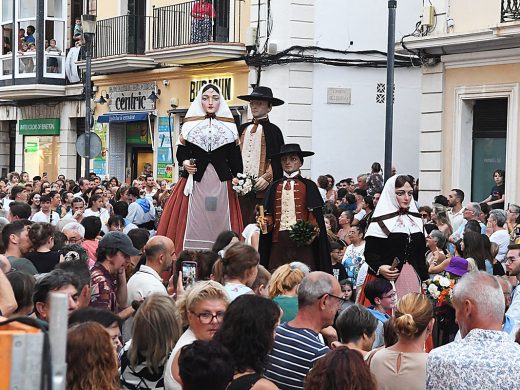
{"points": [[262, 278], [412, 315], [39, 233], [157, 312], [284, 279], [91, 360], [340, 369], [236, 261]]}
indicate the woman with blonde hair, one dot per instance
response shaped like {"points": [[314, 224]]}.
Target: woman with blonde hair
{"points": [[202, 308], [91, 361], [403, 365], [156, 330], [439, 216], [283, 290]]}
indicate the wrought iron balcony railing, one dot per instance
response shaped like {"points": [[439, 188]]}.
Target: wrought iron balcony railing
{"points": [[192, 23], [510, 10]]}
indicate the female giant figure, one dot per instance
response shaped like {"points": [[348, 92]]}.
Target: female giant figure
{"points": [[203, 203]]}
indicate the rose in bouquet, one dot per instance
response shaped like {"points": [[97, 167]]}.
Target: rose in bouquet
{"points": [[244, 184], [439, 289]]}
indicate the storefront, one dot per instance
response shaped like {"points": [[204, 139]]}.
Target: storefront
{"points": [[141, 122], [41, 145]]}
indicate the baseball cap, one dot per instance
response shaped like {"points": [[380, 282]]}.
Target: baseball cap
{"points": [[118, 240]]}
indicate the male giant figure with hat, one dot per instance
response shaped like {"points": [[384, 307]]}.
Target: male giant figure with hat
{"points": [[289, 200], [259, 140]]}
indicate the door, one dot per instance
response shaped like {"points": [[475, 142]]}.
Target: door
{"points": [[140, 157], [222, 21], [489, 144], [136, 26]]}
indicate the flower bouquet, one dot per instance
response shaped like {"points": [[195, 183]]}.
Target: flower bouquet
{"points": [[439, 289], [303, 233], [244, 184]]}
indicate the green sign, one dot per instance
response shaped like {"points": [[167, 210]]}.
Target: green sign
{"points": [[49, 126], [31, 147]]}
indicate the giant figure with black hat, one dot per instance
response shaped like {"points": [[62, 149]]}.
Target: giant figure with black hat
{"points": [[289, 201], [259, 141]]}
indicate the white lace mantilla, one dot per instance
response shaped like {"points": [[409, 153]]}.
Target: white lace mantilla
{"points": [[210, 135]]}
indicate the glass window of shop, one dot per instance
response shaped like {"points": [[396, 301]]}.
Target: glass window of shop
{"points": [[55, 14]]}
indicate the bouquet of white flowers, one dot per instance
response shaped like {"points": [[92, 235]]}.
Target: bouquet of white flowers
{"points": [[244, 184], [439, 290]]}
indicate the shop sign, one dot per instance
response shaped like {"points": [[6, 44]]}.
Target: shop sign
{"points": [[31, 147], [164, 150], [225, 84], [48, 126], [131, 97]]}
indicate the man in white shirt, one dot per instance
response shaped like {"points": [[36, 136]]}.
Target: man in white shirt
{"points": [[160, 255], [84, 185], [150, 188], [455, 214], [140, 210], [499, 234], [46, 214]]}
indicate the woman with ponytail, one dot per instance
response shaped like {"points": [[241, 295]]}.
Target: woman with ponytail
{"points": [[403, 365]]}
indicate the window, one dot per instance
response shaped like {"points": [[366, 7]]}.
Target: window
{"points": [[55, 39], [6, 20], [41, 154], [25, 65]]}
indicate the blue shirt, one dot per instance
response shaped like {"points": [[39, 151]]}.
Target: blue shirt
{"points": [[294, 353]]}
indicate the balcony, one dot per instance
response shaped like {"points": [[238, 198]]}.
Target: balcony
{"points": [[120, 44], [187, 33]]}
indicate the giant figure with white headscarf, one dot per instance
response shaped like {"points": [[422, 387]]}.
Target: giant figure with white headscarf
{"points": [[395, 231], [203, 203]]}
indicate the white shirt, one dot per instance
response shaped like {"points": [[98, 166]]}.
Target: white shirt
{"points": [[41, 217], [137, 215], [456, 219], [234, 290], [501, 238], [143, 283], [514, 307], [170, 383]]}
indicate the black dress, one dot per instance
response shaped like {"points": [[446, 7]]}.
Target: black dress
{"points": [[245, 382], [44, 261]]}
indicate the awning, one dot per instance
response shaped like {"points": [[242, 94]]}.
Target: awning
{"points": [[118, 117]]}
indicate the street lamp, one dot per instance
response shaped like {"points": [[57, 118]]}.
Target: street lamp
{"points": [[390, 60], [88, 23]]}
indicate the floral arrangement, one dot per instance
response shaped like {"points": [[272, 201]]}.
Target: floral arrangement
{"points": [[439, 289], [303, 233], [244, 184]]}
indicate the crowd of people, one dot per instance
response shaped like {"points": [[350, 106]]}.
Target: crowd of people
{"points": [[136, 323]]}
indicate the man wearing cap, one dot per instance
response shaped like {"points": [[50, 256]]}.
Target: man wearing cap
{"points": [[259, 141], [287, 201], [107, 277]]}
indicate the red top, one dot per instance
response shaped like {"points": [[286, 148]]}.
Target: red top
{"points": [[202, 10]]}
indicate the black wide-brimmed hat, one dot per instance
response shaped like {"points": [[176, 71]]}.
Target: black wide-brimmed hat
{"points": [[262, 93], [292, 148]]}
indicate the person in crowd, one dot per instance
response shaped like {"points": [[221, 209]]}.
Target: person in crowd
{"points": [[110, 321], [91, 361], [160, 255], [116, 223], [23, 285], [455, 213], [348, 294], [139, 238], [46, 214], [224, 240], [357, 329], [499, 234], [249, 345], [75, 262], [277, 247], [42, 239], [202, 308], [251, 233], [96, 209], [509, 325], [17, 194], [297, 344], [331, 224], [375, 180], [34, 201], [513, 270], [497, 195], [323, 183], [283, 290], [403, 365], [513, 221], [484, 215], [426, 214], [144, 357], [261, 282], [340, 369], [436, 253], [359, 212], [108, 279], [55, 281], [121, 209], [237, 270], [362, 182], [475, 253], [84, 186], [18, 210], [483, 343], [440, 218], [210, 164], [344, 222], [90, 243], [354, 256], [471, 212], [141, 211], [395, 243], [15, 238], [336, 256], [75, 232], [204, 365], [382, 296], [150, 186], [77, 210]]}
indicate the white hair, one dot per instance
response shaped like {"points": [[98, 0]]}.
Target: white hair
{"points": [[484, 291], [76, 227], [301, 266]]}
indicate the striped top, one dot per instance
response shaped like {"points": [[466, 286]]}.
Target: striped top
{"points": [[294, 353]]}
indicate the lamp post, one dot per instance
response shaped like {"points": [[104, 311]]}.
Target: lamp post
{"points": [[390, 60], [88, 23]]}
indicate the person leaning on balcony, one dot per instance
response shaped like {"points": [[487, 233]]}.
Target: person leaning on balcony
{"points": [[203, 14]]}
